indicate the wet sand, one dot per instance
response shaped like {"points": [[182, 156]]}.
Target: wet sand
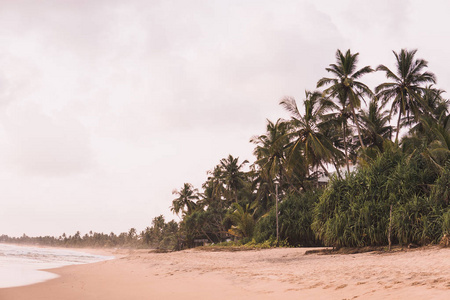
{"points": [[258, 274]]}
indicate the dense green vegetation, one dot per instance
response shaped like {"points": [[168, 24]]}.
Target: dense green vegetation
{"points": [[398, 190], [387, 183]]}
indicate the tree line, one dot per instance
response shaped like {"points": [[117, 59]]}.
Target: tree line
{"points": [[383, 187], [160, 235]]}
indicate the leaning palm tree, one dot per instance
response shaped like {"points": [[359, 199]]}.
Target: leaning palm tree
{"points": [[407, 86], [345, 84], [185, 202], [306, 133]]}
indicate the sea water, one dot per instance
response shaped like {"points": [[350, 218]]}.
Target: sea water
{"points": [[24, 265]]}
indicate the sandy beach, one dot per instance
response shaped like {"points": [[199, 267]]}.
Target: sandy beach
{"points": [[285, 273]]}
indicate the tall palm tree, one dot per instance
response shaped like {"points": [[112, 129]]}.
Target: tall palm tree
{"points": [[185, 202], [306, 133], [407, 86], [337, 123], [213, 188], [270, 151], [270, 162], [345, 83], [233, 176]]}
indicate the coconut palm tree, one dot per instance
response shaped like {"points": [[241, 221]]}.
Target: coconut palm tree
{"points": [[336, 122], [439, 148], [375, 125], [306, 133], [345, 84], [434, 104], [213, 189], [270, 152], [233, 176], [185, 202], [270, 155], [407, 86]]}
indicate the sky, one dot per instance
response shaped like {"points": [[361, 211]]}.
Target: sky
{"points": [[106, 107]]}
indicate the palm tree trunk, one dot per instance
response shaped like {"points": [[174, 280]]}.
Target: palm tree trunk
{"points": [[280, 174], [390, 227], [337, 169], [204, 232], [325, 170], [398, 125], [276, 211], [345, 147], [355, 120]]}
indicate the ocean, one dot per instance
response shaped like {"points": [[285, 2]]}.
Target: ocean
{"points": [[23, 265]]}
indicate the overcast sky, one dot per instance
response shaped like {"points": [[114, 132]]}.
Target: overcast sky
{"points": [[107, 106]]}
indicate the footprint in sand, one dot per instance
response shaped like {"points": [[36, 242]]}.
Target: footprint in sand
{"points": [[341, 286], [316, 285]]}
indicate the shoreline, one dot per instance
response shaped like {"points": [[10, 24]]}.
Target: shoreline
{"points": [[256, 274], [23, 265]]}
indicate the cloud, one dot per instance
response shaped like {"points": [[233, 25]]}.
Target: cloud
{"points": [[41, 145]]}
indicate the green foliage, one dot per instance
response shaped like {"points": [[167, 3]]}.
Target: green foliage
{"points": [[441, 190], [417, 221], [355, 211], [243, 222], [265, 227], [446, 222], [295, 218], [412, 175], [161, 235]]}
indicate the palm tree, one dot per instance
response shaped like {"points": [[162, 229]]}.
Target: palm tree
{"points": [[375, 125], [307, 130], [243, 222], [270, 155], [407, 86], [185, 200], [270, 151], [439, 148], [345, 84], [213, 189], [232, 176], [434, 104]]}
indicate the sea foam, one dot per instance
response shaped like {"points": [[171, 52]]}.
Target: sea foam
{"points": [[24, 265]]}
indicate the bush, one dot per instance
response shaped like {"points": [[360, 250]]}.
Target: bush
{"points": [[354, 212], [295, 218]]}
